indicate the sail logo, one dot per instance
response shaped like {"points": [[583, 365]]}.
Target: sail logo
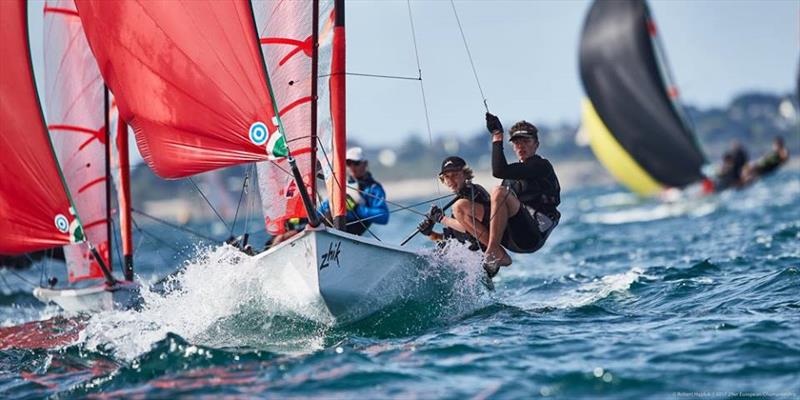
{"points": [[259, 133], [62, 224]]}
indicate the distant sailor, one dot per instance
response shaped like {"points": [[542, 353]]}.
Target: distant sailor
{"points": [[366, 199], [733, 164], [469, 222], [767, 164], [524, 207]]}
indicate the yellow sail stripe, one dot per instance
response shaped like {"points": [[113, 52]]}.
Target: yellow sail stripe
{"points": [[614, 157]]}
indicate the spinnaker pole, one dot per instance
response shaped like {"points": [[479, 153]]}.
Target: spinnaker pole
{"points": [[338, 103]]}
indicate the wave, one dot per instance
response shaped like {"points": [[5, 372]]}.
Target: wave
{"points": [[222, 299]]}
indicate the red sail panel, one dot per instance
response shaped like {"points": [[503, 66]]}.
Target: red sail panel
{"points": [[34, 207], [285, 32], [187, 76], [74, 102]]}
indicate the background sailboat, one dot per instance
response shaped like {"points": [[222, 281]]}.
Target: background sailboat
{"points": [[38, 212], [635, 123]]}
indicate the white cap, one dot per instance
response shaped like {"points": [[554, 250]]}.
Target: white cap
{"points": [[355, 154]]}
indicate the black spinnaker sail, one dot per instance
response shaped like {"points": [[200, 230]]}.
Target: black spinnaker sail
{"points": [[635, 126]]}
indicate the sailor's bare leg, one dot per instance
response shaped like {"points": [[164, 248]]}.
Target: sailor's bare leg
{"points": [[469, 215], [504, 205]]}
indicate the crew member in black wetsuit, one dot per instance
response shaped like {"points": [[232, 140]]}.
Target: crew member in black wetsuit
{"points": [[767, 164], [524, 207], [733, 162], [469, 222]]}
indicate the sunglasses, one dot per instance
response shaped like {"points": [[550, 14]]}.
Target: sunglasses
{"points": [[353, 163]]}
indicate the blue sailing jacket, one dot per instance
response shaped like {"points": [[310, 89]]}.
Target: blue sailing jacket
{"points": [[374, 209]]}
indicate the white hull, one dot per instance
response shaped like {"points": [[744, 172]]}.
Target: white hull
{"points": [[95, 298], [347, 277]]}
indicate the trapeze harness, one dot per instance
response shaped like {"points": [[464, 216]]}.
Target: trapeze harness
{"points": [[480, 197]]}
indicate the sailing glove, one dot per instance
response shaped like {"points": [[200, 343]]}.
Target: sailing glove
{"points": [[426, 227], [493, 124], [436, 214]]}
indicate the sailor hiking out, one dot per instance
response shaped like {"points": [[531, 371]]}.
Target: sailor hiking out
{"points": [[524, 207], [469, 221]]}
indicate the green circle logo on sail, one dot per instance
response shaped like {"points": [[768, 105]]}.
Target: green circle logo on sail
{"points": [[276, 142]]}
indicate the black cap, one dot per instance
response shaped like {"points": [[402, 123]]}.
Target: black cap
{"points": [[452, 163], [523, 129]]}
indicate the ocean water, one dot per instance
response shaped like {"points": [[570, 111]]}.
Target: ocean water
{"points": [[629, 299]]}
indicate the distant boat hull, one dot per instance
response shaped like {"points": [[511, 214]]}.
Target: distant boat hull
{"points": [[92, 299], [342, 277]]}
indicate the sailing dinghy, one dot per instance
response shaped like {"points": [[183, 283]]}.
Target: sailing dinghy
{"points": [[636, 125], [224, 83], [37, 210]]}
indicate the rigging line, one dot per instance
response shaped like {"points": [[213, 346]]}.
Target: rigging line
{"points": [[422, 87], [208, 202], [400, 77], [469, 55], [336, 181], [116, 240], [401, 206], [10, 290], [157, 239], [241, 194], [248, 208], [406, 208], [22, 278], [180, 228], [41, 270], [139, 242]]}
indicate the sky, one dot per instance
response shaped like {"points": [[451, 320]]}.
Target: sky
{"points": [[525, 55]]}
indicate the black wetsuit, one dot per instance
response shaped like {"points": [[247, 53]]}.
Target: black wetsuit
{"points": [[535, 184], [481, 198], [769, 163]]}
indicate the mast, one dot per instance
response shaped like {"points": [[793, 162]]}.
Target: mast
{"points": [[108, 177], [314, 83], [124, 199], [338, 103]]}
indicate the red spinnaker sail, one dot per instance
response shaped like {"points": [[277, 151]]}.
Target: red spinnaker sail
{"points": [[34, 207], [74, 96], [187, 76], [285, 33]]}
